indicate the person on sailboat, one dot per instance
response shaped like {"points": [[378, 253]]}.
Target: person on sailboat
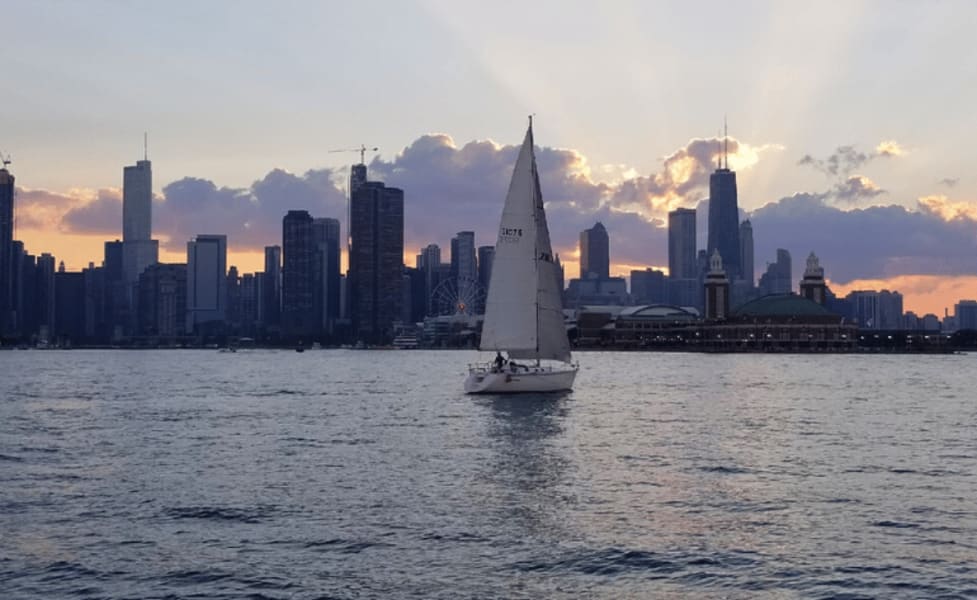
{"points": [[499, 362]]}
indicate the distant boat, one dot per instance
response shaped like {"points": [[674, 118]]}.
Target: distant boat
{"points": [[405, 342], [524, 311]]}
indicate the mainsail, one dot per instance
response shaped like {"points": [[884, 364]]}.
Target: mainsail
{"points": [[524, 310]]}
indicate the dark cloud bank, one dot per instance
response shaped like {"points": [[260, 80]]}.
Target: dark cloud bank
{"points": [[449, 189]]}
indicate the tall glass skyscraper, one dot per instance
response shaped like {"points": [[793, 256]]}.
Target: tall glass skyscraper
{"points": [[326, 237], [746, 252], [429, 263], [595, 260], [271, 287], [298, 257], [139, 250], [724, 220], [6, 249], [376, 260], [682, 262], [206, 280], [137, 202], [486, 255], [463, 264]]}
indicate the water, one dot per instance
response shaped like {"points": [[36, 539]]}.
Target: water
{"points": [[356, 474]]}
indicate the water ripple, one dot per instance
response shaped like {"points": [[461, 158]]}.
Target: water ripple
{"points": [[345, 474]]}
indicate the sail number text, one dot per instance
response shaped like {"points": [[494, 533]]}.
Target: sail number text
{"points": [[510, 235]]}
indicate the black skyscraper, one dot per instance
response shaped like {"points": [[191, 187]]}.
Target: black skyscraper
{"points": [[116, 300], [325, 233], [595, 259], [69, 307], [163, 300], [6, 250], [724, 219], [682, 261], [271, 288], [486, 255], [357, 177], [44, 297], [298, 256], [376, 260]]}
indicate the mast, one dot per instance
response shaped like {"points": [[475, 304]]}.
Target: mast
{"points": [[536, 200]]}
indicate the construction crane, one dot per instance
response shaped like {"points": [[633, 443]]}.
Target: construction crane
{"points": [[6, 159], [362, 150]]}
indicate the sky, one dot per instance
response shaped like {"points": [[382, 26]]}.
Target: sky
{"points": [[850, 124]]}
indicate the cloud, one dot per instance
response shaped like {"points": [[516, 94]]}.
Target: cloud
{"points": [[44, 210], [101, 214], [251, 217], [847, 159], [947, 209], [949, 182], [684, 178], [870, 243], [855, 188], [889, 148], [449, 188]]}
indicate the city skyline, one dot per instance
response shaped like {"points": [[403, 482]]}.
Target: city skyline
{"points": [[925, 291], [836, 151]]}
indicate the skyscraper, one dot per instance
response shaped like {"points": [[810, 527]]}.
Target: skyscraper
{"points": [[206, 282], [326, 237], [777, 278], [233, 311], [681, 244], [463, 265], [429, 263], [595, 260], [648, 287], [746, 252], [890, 310], [298, 258], [6, 250], [137, 202], [44, 297], [486, 255], [116, 305], [724, 218], [376, 260], [357, 177], [139, 250], [270, 310], [163, 300]]}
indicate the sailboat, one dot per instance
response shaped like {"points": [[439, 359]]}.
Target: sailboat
{"points": [[524, 309]]}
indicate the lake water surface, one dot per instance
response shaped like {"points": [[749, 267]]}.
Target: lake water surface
{"points": [[369, 474]]}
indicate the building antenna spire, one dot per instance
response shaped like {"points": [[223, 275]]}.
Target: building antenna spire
{"points": [[719, 151], [725, 142], [145, 145]]}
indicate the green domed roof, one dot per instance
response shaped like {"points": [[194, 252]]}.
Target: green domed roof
{"points": [[782, 305]]}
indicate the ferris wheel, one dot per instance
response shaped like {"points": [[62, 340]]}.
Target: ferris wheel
{"points": [[458, 296]]}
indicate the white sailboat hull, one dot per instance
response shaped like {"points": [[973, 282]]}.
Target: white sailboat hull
{"points": [[534, 379]]}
